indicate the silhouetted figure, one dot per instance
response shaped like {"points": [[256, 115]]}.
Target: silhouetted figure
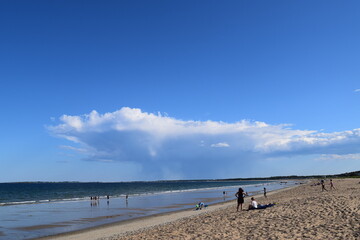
{"points": [[240, 199], [323, 185], [331, 184], [265, 192]]}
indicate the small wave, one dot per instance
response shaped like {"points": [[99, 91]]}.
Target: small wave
{"points": [[42, 201], [17, 203]]}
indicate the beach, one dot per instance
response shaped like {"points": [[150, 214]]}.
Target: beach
{"points": [[62, 207], [301, 212]]}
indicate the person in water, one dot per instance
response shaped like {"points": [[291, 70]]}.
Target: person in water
{"points": [[240, 199]]}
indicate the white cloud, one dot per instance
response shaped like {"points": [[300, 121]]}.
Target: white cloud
{"points": [[162, 146], [357, 90], [80, 150], [220, 145]]}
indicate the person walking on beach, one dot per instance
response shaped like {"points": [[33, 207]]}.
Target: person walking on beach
{"points": [[323, 185], [332, 185], [240, 199]]}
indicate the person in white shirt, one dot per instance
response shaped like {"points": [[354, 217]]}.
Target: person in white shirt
{"points": [[253, 204]]}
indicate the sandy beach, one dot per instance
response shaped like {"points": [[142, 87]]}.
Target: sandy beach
{"points": [[302, 212]]}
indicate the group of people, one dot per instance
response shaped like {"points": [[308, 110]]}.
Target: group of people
{"points": [[240, 195], [323, 188], [200, 206], [322, 183], [97, 198]]}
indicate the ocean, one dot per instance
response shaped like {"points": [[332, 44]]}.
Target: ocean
{"points": [[37, 209]]}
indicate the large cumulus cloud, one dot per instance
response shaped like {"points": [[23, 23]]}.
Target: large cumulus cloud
{"points": [[165, 147]]}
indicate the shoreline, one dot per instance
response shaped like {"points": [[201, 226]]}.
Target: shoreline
{"points": [[126, 227]]}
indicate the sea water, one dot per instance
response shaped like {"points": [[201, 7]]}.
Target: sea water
{"points": [[31, 210]]}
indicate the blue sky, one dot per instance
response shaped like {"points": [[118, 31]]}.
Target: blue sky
{"points": [[146, 90]]}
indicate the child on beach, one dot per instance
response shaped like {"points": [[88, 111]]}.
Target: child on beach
{"points": [[332, 185], [200, 206]]}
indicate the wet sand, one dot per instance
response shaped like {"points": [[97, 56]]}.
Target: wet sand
{"points": [[39, 227], [303, 212]]}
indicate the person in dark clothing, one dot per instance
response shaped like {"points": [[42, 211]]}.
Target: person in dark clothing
{"points": [[265, 192], [323, 185], [240, 199]]}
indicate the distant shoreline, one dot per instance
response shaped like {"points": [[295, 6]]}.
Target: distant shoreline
{"points": [[354, 174]]}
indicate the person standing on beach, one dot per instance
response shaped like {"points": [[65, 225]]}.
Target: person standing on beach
{"points": [[240, 199], [265, 192]]}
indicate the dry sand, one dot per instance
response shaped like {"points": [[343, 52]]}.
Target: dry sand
{"points": [[304, 212]]}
